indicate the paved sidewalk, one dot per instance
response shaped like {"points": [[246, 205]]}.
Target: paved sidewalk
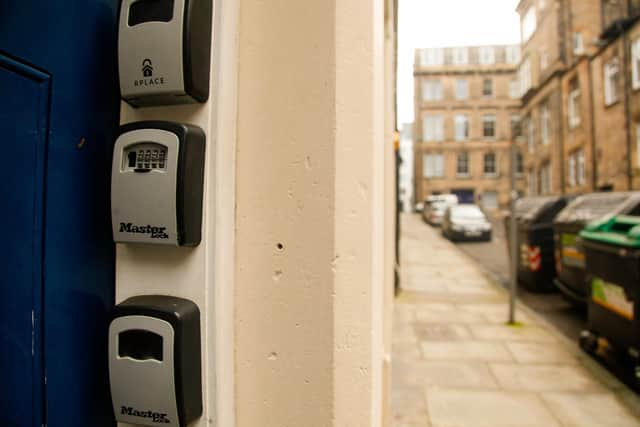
{"points": [[456, 363]]}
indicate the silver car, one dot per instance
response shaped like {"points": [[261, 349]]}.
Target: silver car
{"points": [[466, 222], [435, 207]]}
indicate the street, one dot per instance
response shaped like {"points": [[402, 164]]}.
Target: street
{"points": [[493, 257]]}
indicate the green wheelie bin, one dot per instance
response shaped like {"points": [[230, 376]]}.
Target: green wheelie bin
{"points": [[612, 251], [570, 259]]}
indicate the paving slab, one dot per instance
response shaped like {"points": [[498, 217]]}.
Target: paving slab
{"points": [[544, 378], [590, 410], [540, 353], [512, 333], [495, 313], [409, 408], [429, 332], [465, 408], [466, 375], [466, 350], [449, 316]]}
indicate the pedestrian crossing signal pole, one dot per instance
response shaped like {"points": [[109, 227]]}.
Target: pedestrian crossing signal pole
{"points": [[513, 241]]}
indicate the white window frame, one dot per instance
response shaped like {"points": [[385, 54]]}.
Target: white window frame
{"points": [[545, 179], [528, 23], [427, 166], [574, 108], [578, 43], [519, 163], [432, 166], [432, 56], [491, 87], [487, 55], [433, 128], [544, 60], [439, 165], [524, 76], [514, 88], [462, 89], [532, 183], [490, 118], [572, 170], [635, 64], [463, 161], [432, 90], [638, 144], [581, 178], [513, 54], [545, 124], [494, 162], [460, 55], [611, 70], [515, 120], [462, 127], [531, 135]]}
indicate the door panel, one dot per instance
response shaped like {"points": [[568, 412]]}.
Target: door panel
{"points": [[74, 43], [23, 136]]}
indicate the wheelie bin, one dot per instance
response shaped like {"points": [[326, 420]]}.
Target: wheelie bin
{"points": [[570, 259], [612, 253], [534, 219]]}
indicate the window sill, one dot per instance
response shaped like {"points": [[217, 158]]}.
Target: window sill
{"points": [[491, 176], [611, 104], [463, 176]]}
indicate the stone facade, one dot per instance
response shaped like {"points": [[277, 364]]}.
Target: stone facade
{"points": [[465, 102], [569, 51]]}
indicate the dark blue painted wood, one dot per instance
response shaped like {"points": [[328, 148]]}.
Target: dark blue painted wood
{"points": [[73, 42], [23, 135]]}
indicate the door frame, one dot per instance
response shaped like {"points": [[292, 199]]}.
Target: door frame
{"points": [[43, 79]]}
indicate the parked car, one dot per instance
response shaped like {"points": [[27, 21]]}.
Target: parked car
{"points": [[466, 222], [435, 206]]}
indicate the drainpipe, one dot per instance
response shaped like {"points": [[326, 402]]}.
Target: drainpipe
{"points": [[627, 107], [592, 119], [561, 138]]}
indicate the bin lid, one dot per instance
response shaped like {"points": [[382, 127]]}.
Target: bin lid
{"points": [[590, 207], [621, 230], [530, 206]]}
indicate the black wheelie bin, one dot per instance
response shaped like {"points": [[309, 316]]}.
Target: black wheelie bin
{"points": [[534, 219], [570, 260], [612, 253]]}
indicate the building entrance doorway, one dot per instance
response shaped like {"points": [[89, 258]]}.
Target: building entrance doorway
{"points": [[465, 195]]}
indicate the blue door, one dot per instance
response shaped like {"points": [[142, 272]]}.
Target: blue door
{"points": [[58, 116], [464, 195], [23, 137]]}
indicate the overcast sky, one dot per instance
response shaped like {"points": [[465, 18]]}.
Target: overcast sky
{"points": [[442, 23]]}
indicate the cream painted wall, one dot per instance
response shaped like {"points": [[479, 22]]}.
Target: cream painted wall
{"points": [[203, 274], [310, 215]]}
